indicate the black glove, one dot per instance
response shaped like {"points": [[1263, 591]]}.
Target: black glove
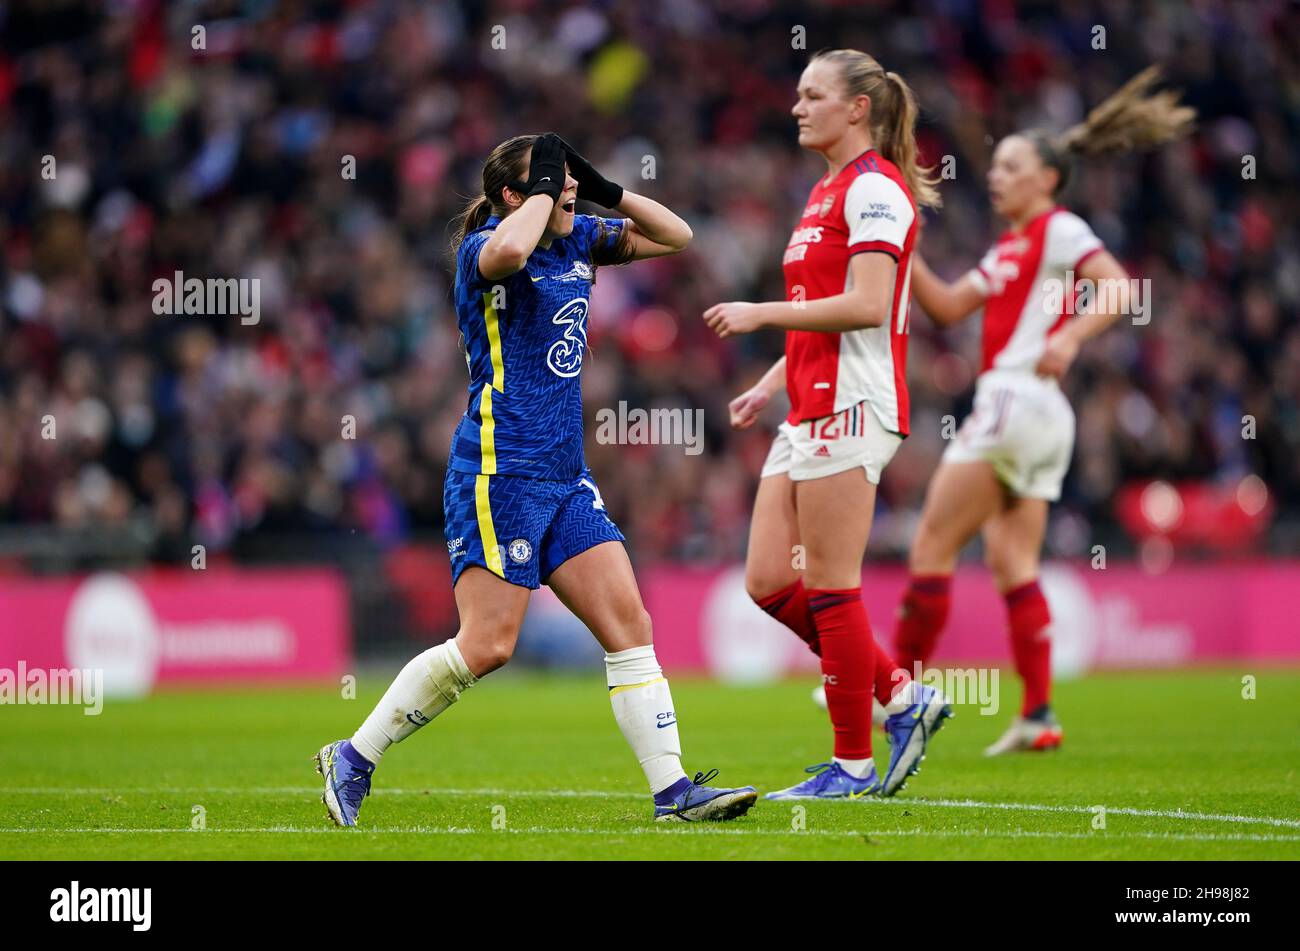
{"points": [[592, 186], [545, 169]]}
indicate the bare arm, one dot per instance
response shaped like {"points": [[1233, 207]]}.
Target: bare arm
{"points": [[1102, 269], [745, 408], [1063, 346], [865, 304], [773, 380], [947, 304], [515, 238], [654, 229]]}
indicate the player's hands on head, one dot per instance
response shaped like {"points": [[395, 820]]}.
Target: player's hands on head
{"points": [[746, 407], [1060, 352], [546, 173], [734, 317], [592, 186]]}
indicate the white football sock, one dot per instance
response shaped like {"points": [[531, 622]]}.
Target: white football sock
{"points": [[643, 708], [857, 768], [426, 686], [905, 697]]}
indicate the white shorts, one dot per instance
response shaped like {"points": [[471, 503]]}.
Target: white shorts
{"points": [[817, 448], [1023, 425]]}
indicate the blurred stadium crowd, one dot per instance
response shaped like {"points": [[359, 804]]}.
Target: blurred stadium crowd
{"points": [[231, 161]]}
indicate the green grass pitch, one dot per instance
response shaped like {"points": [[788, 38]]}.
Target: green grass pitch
{"points": [[531, 766]]}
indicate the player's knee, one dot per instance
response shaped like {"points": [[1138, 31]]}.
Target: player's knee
{"points": [[832, 580], [1014, 574], [632, 625], [624, 628], [496, 652], [929, 552], [761, 585], [641, 627], [827, 574], [490, 639], [1008, 568]]}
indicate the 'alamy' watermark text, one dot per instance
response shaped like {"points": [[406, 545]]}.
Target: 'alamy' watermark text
{"points": [[1131, 297], [192, 297], [655, 427], [59, 685]]}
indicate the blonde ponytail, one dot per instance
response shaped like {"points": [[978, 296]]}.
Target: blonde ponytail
{"points": [[1129, 120], [893, 118], [900, 145]]}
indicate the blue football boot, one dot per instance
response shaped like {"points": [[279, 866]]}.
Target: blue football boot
{"points": [[691, 801], [347, 782], [909, 732], [832, 781]]}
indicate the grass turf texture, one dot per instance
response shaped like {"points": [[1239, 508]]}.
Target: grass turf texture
{"points": [[542, 754]]}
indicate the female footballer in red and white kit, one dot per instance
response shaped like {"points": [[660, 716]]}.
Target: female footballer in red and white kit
{"points": [[1011, 454], [845, 317]]}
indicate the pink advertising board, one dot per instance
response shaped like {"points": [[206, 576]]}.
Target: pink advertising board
{"points": [[179, 626], [1118, 617]]}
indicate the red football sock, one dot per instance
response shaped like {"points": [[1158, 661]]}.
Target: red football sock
{"points": [[848, 661], [889, 677], [790, 607], [1030, 645], [921, 617]]}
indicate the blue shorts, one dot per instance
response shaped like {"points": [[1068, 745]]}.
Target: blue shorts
{"points": [[519, 528]]}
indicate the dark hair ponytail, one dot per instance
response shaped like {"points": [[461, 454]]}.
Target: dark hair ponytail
{"points": [[508, 162], [474, 216]]}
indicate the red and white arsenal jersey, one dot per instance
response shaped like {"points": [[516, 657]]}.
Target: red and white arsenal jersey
{"points": [[865, 207], [1023, 278]]}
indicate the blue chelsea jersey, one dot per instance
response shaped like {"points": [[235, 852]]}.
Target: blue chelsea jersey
{"points": [[525, 337]]}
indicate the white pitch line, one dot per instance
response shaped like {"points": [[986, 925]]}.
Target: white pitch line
{"points": [[1110, 810], [308, 790], [693, 829], [617, 794]]}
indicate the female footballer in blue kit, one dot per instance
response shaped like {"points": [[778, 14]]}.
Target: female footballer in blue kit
{"points": [[521, 507]]}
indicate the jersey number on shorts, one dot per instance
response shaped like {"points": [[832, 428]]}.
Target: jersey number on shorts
{"points": [[599, 503], [999, 401]]}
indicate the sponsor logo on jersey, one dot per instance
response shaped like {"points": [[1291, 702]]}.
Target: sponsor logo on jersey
{"points": [[581, 271], [520, 551], [797, 249], [1016, 246], [819, 208], [565, 356], [879, 209], [810, 235], [1005, 270]]}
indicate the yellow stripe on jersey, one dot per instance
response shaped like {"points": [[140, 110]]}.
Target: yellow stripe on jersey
{"points": [[486, 530], [488, 427]]}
